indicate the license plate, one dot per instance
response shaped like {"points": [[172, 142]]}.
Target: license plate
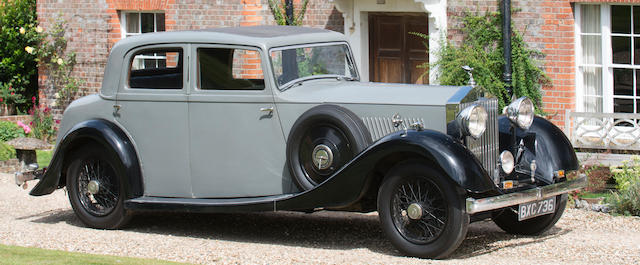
{"points": [[537, 208]]}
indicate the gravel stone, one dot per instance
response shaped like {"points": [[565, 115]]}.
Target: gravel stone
{"points": [[580, 237]]}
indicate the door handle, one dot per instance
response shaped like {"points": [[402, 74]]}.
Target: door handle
{"points": [[268, 110], [116, 109]]}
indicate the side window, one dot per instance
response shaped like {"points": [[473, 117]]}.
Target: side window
{"points": [[156, 69], [229, 69]]}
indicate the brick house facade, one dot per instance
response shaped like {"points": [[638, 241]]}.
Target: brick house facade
{"points": [[547, 25]]}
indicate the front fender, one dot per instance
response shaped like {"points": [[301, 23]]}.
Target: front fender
{"points": [[349, 184], [552, 151], [98, 131]]}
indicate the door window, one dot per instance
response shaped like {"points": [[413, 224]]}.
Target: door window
{"points": [[156, 69], [229, 69]]}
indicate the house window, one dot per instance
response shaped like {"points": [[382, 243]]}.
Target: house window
{"points": [[608, 58], [136, 23]]}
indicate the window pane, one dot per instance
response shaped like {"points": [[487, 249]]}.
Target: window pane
{"points": [[159, 21], [621, 50], [636, 19], [590, 19], [230, 69], [591, 49], [157, 69], [636, 51], [623, 82], [147, 21], [623, 105], [592, 78], [133, 23], [621, 19], [592, 104]]}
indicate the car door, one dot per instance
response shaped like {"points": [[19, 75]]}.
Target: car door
{"points": [[152, 107], [237, 147]]}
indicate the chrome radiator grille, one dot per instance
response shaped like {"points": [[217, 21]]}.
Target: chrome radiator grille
{"points": [[486, 147]]}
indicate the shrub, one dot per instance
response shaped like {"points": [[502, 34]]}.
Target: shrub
{"points": [[10, 131], [18, 71], [42, 124], [627, 199], [6, 152], [481, 49], [597, 176]]}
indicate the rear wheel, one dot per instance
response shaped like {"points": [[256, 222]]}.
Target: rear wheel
{"points": [[421, 212], [96, 190], [507, 220]]}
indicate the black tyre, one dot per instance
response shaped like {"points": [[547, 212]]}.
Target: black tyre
{"points": [[507, 220], [321, 141], [95, 186], [421, 211]]}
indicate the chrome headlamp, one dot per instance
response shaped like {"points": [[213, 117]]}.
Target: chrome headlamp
{"points": [[473, 121], [521, 112]]}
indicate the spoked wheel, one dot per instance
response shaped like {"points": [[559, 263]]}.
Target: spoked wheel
{"points": [[96, 193], [421, 212], [97, 186], [322, 140], [417, 210]]}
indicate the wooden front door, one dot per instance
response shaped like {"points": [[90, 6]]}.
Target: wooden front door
{"points": [[393, 52]]}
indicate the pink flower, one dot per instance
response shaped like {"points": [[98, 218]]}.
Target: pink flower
{"points": [[25, 127], [12, 93], [57, 121], [33, 99]]}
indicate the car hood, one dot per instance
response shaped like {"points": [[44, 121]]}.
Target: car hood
{"points": [[353, 92]]}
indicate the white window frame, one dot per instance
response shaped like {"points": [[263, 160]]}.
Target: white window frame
{"points": [[124, 33], [607, 60]]}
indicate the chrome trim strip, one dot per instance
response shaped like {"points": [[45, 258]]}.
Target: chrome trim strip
{"points": [[535, 194]]}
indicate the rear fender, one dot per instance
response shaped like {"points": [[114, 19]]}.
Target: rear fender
{"points": [[104, 133]]}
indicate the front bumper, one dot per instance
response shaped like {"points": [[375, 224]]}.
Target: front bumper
{"points": [[535, 194]]}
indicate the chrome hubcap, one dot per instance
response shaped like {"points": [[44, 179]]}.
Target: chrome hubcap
{"points": [[414, 211], [93, 187], [322, 157]]}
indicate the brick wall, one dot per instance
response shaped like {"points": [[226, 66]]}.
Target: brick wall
{"points": [[94, 26]]}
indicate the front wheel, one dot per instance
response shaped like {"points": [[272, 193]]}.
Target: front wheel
{"points": [[421, 211], [96, 191], [507, 220]]}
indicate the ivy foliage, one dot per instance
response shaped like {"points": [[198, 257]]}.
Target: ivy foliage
{"points": [[481, 49], [18, 71], [278, 9]]}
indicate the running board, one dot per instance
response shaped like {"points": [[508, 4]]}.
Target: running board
{"points": [[266, 203]]}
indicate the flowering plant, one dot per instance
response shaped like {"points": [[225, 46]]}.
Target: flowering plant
{"points": [[25, 127], [42, 123]]}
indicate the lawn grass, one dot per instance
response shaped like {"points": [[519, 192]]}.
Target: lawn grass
{"points": [[44, 157], [29, 255]]}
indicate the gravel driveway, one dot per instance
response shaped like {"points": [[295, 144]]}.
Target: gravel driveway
{"points": [[285, 237]]}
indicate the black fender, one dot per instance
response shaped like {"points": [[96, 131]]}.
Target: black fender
{"points": [[551, 148], [350, 183], [102, 132]]}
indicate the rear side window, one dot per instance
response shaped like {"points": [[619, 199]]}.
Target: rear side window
{"points": [[157, 69], [229, 69]]}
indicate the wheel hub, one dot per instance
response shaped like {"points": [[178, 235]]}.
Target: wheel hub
{"points": [[322, 157], [414, 211], [93, 187]]}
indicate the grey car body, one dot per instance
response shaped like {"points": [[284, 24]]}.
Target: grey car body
{"points": [[227, 150]]}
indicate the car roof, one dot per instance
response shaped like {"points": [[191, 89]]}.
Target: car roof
{"points": [[264, 37]]}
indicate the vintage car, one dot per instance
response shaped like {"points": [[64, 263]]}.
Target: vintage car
{"points": [[275, 118]]}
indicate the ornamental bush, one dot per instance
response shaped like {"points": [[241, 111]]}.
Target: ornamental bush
{"points": [[626, 200], [481, 49], [6, 152], [10, 131], [18, 68]]}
